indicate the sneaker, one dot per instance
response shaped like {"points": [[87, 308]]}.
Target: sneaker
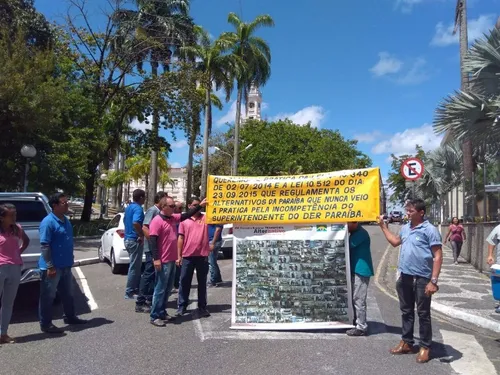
{"points": [[168, 318], [456, 263], [203, 313], [130, 295], [181, 311], [74, 321], [355, 332], [6, 339], [212, 285], [142, 309], [497, 309], [158, 323], [52, 329]]}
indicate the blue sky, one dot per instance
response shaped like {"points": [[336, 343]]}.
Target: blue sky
{"points": [[374, 69]]}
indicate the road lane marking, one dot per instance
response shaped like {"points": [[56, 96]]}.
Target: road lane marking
{"points": [[473, 360], [86, 290]]}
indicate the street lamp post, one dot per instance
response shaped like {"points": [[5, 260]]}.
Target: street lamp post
{"points": [[231, 156], [27, 151], [104, 176]]}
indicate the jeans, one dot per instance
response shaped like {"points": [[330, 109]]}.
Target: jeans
{"points": [[147, 284], [62, 282], [10, 276], [135, 251], [189, 264], [457, 248], [163, 286], [215, 276], [177, 276], [411, 292], [360, 292]]}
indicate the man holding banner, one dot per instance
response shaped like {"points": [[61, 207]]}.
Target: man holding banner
{"points": [[420, 262], [361, 271]]}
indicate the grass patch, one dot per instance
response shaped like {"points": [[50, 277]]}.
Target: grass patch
{"points": [[91, 228]]}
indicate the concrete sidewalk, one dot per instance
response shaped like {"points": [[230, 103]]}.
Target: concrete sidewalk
{"points": [[465, 294], [86, 251]]}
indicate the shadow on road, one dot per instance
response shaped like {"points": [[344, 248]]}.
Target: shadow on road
{"points": [[444, 353], [376, 328], [26, 304]]}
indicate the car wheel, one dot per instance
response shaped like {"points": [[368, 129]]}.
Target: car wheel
{"points": [[115, 268], [100, 254]]}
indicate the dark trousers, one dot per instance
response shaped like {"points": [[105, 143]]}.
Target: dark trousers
{"points": [[147, 284], [62, 282], [189, 264], [411, 292], [177, 277]]}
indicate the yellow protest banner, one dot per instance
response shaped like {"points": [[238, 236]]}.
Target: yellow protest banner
{"points": [[334, 197]]}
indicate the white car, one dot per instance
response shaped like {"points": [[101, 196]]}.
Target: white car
{"points": [[227, 241], [112, 246]]}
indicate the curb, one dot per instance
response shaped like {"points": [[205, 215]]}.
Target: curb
{"points": [[86, 262], [444, 310], [96, 237]]}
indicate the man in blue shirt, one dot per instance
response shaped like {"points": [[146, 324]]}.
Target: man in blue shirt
{"points": [[134, 241], [56, 260], [420, 260], [361, 270], [215, 240]]}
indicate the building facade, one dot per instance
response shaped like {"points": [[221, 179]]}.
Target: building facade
{"points": [[253, 109], [177, 189]]}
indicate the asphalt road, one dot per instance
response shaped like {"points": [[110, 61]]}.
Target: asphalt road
{"points": [[119, 341]]}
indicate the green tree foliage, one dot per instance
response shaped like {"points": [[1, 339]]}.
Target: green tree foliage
{"points": [[283, 147]]}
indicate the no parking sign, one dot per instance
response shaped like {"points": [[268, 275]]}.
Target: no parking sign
{"points": [[412, 169]]}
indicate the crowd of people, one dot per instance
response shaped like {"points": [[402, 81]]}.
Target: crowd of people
{"points": [[175, 244], [178, 242]]}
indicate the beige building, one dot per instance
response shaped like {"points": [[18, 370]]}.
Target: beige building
{"points": [[176, 190]]}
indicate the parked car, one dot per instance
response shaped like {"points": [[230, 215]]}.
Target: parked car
{"points": [[31, 209], [227, 241], [112, 247], [396, 217]]}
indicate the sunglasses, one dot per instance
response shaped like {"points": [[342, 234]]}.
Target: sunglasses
{"points": [[171, 205]]}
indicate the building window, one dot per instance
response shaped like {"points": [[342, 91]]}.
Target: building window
{"points": [[251, 105]]}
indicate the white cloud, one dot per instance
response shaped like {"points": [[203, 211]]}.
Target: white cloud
{"points": [[230, 115], [405, 142], [387, 64], [179, 144], [406, 6], [264, 106], [137, 125], [176, 165], [313, 114], [476, 28], [417, 73], [368, 137]]}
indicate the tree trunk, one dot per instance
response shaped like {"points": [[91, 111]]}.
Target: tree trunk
{"points": [[146, 182], [206, 136], [237, 131], [119, 192], [192, 142], [89, 193], [114, 189], [151, 190]]}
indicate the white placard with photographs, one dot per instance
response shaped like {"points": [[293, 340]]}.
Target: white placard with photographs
{"points": [[291, 277]]}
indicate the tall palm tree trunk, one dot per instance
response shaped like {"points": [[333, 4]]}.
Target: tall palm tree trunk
{"points": [[155, 129], [206, 135], [237, 130], [192, 143]]}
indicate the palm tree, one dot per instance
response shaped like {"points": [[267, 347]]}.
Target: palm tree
{"points": [[256, 53], [193, 131], [162, 25], [217, 69]]}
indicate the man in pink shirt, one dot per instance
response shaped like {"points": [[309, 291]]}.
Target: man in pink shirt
{"points": [[163, 246], [193, 250]]}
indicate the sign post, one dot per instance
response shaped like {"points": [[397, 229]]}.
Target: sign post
{"points": [[412, 169]]}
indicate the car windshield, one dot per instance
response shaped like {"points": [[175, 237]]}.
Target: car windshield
{"points": [[28, 211]]}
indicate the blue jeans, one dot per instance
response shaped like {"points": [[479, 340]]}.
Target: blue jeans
{"points": [[62, 282], [135, 251], [215, 276], [189, 264], [163, 286], [147, 285]]}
